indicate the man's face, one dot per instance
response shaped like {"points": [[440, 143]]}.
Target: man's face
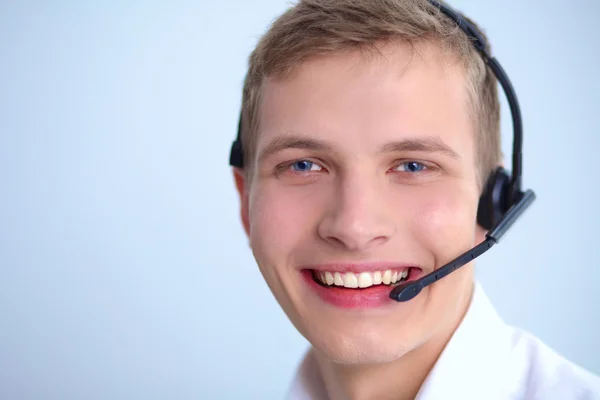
{"points": [[365, 172]]}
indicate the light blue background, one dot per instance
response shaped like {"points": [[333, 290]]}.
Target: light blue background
{"points": [[124, 270]]}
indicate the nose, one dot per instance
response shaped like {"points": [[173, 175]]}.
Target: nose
{"points": [[358, 218]]}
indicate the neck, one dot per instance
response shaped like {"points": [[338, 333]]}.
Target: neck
{"points": [[399, 379]]}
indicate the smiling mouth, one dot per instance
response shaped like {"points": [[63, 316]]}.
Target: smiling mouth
{"points": [[362, 280]]}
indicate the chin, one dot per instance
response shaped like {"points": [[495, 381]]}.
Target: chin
{"points": [[361, 351], [361, 344]]}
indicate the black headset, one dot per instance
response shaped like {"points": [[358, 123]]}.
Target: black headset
{"points": [[502, 201]]}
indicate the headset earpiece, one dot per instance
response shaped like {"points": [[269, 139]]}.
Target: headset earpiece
{"points": [[494, 200]]}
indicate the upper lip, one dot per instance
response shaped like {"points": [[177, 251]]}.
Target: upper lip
{"points": [[361, 267]]}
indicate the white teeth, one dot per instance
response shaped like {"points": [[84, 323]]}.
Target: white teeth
{"points": [[377, 278], [337, 279], [365, 279], [387, 277], [361, 280], [329, 278], [350, 280]]}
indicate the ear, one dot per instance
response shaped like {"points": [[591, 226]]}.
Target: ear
{"points": [[242, 187]]}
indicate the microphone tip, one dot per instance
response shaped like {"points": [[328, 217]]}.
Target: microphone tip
{"points": [[407, 291]]}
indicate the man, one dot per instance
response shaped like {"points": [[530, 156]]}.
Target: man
{"points": [[369, 131]]}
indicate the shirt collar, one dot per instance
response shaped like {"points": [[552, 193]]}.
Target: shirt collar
{"points": [[468, 367]]}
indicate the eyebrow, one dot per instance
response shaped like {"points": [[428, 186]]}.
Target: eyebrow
{"points": [[430, 144], [292, 142]]}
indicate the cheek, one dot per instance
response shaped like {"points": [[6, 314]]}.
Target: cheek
{"points": [[447, 219], [279, 219]]}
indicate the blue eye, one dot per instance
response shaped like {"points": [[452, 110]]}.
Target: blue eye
{"points": [[304, 166], [411, 166]]}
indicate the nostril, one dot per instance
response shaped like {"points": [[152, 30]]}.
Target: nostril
{"points": [[335, 241]]}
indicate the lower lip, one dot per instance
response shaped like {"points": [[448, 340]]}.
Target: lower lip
{"points": [[371, 297]]}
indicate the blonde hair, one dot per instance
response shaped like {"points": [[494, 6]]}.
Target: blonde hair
{"points": [[315, 28]]}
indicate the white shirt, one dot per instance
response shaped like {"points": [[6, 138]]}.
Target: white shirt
{"points": [[485, 359]]}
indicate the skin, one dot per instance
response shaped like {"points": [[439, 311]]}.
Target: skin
{"points": [[357, 204]]}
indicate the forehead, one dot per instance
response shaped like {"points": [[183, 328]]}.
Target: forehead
{"points": [[361, 99]]}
